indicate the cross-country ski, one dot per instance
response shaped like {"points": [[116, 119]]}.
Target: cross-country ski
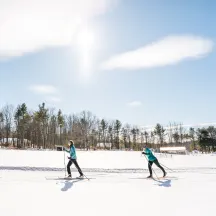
{"points": [[67, 178]]}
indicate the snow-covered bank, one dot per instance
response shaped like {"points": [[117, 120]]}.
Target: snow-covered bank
{"points": [[100, 159]]}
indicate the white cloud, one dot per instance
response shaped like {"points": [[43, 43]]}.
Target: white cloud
{"points": [[43, 89], [31, 25], [135, 103], [167, 51]]}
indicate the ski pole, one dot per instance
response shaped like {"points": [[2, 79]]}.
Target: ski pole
{"points": [[167, 167], [64, 163], [86, 176], [151, 167]]}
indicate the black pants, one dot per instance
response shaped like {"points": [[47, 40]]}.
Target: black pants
{"points": [[70, 162], [157, 163]]}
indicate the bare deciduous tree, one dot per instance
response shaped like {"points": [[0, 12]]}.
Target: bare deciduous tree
{"points": [[7, 113], [41, 128]]}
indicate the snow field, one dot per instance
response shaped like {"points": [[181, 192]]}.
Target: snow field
{"points": [[101, 159], [186, 193]]}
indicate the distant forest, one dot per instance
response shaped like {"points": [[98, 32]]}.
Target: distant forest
{"points": [[47, 127]]}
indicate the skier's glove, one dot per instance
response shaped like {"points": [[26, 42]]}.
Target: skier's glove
{"points": [[69, 158]]}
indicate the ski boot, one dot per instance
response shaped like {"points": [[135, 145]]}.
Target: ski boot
{"points": [[164, 174], [81, 176]]}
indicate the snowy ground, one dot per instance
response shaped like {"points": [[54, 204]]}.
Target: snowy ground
{"points": [[188, 191], [100, 159]]}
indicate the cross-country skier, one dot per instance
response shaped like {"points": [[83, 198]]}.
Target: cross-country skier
{"points": [[152, 159], [72, 159]]}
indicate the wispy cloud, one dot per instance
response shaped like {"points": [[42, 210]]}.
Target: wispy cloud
{"points": [[43, 89], [31, 25], [167, 51], [135, 103]]}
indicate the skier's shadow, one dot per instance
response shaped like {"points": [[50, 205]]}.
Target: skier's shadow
{"points": [[68, 185], [166, 183]]}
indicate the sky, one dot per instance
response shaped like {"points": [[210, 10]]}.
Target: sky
{"points": [[142, 62]]}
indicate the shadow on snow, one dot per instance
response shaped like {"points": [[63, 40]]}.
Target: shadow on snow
{"points": [[68, 184], [166, 183], [161, 183]]}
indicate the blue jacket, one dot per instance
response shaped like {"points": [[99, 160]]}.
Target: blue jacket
{"points": [[149, 154], [72, 152]]}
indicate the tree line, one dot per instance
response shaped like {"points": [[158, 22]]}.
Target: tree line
{"points": [[46, 128]]}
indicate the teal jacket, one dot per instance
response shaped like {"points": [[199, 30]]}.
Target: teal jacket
{"points": [[149, 154], [72, 152]]}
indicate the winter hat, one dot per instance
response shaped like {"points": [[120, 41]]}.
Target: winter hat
{"points": [[71, 142]]}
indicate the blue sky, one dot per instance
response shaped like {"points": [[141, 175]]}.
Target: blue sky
{"points": [[142, 62]]}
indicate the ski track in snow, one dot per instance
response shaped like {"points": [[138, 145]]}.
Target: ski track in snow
{"points": [[100, 170]]}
